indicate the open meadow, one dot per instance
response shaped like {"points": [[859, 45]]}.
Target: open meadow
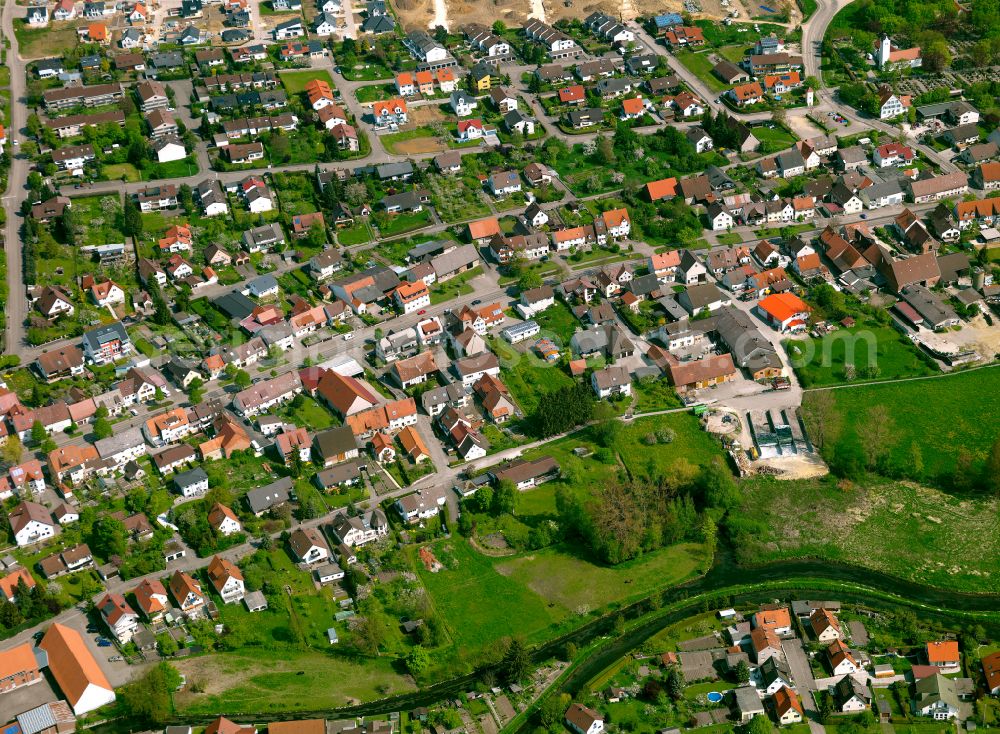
{"points": [[938, 418], [899, 528]]}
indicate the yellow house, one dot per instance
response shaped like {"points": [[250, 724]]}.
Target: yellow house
{"points": [[481, 79]]}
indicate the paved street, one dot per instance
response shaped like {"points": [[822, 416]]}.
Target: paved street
{"points": [[17, 177]]}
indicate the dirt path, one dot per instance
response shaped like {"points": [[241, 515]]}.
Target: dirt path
{"points": [[440, 15], [537, 11]]}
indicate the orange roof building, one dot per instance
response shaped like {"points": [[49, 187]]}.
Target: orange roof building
{"points": [[76, 672], [776, 620], [944, 654], [991, 672], [318, 90], [222, 725], [151, 598], [575, 93], [633, 107], [662, 189], [97, 33], [9, 583], [18, 668], [787, 707], [413, 444], [784, 311], [483, 229]]}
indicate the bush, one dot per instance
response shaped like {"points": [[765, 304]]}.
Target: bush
{"points": [[666, 435]]}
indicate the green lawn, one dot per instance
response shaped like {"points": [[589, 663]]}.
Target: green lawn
{"points": [[730, 238], [773, 138], [876, 352], [306, 412], [529, 378], [654, 394], [375, 92], [941, 416], [115, 171], [734, 53], [903, 529], [558, 321], [538, 501], [295, 81], [700, 65], [393, 224], [366, 72], [357, 234], [454, 287]]}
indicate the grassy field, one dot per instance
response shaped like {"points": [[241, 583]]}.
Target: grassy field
{"points": [[100, 217], [654, 394], [115, 171], [454, 287], [529, 379], [558, 321], [375, 92], [939, 415], [701, 66], [690, 449], [393, 224], [894, 356], [576, 585], [484, 599], [295, 81], [37, 43], [773, 138], [455, 200], [357, 234], [393, 141], [899, 528], [284, 680]]}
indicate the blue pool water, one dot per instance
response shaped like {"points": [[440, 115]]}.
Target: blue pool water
{"points": [[714, 696]]}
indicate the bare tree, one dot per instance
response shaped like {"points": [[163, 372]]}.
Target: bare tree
{"points": [[822, 419], [876, 433]]}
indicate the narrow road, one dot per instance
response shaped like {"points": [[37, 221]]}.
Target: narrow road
{"points": [[17, 179]]}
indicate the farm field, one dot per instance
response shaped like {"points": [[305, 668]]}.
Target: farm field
{"points": [[941, 416], [900, 528]]}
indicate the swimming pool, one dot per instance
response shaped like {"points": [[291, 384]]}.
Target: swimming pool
{"points": [[714, 697]]}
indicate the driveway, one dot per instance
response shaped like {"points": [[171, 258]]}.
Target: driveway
{"points": [[802, 675]]}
